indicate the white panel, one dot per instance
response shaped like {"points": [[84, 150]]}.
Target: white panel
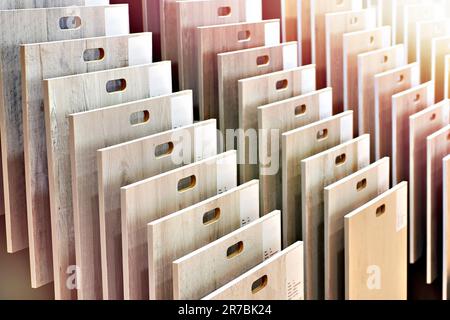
{"points": [[116, 21], [249, 204], [160, 79], [272, 33], [326, 104], [182, 111], [290, 56], [140, 50], [253, 10], [226, 180]]}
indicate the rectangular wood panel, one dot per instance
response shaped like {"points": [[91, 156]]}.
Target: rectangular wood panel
{"points": [[156, 197], [304, 31], [31, 4], [193, 228], [446, 233], [318, 172], [209, 268], [447, 77], [132, 83], [439, 49]]}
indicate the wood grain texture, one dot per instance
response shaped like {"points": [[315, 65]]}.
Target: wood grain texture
{"points": [[318, 172], [274, 120], [189, 231], [404, 105], [131, 162], [376, 248], [281, 278], [397, 10], [438, 147], [233, 37], [31, 26], [370, 64], [48, 60], [31, 4], [446, 228], [300, 144], [439, 49], [447, 77], [355, 43], [101, 128], [88, 92], [304, 31], [156, 197], [387, 84], [151, 22], [336, 25], [340, 199], [319, 8], [261, 90], [209, 268]]}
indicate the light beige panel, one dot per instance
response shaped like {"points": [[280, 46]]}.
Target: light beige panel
{"points": [[376, 248], [101, 128], [135, 83], [397, 9], [214, 265], [387, 84], [276, 119], [439, 49], [258, 91], [298, 145], [290, 20], [252, 35], [447, 76], [446, 235], [278, 278], [355, 43], [340, 199], [30, 4], [318, 172], [156, 197], [193, 228]]}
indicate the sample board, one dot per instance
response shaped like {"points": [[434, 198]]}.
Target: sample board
{"points": [[439, 49], [446, 229], [447, 77], [30, 4]]}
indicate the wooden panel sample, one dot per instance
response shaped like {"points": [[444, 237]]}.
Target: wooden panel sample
{"points": [[233, 37], [209, 268], [439, 49], [426, 32], [16, 26], [289, 21], [304, 31], [340, 199], [234, 66], [319, 8], [132, 83], [193, 14], [369, 64], [298, 145], [30, 4], [447, 77], [190, 231], [260, 90], [376, 248], [318, 172], [48, 60], [438, 147], [398, 8], [336, 25], [276, 119], [354, 44], [101, 128], [278, 278], [446, 233], [386, 85], [156, 197]]}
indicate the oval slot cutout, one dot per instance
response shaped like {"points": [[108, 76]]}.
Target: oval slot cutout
{"points": [[211, 217], [117, 85], [224, 12], [340, 160], [339, 3], [282, 85], [262, 61], [354, 20], [448, 137], [92, 55], [385, 59], [322, 134], [372, 40], [187, 184], [259, 284], [164, 150], [140, 117], [300, 110], [69, 23], [433, 117], [235, 250], [381, 210], [417, 98], [361, 185], [244, 36], [400, 78]]}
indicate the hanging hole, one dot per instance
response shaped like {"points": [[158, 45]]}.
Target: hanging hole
{"points": [[235, 250], [361, 185], [354, 20], [433, 117], [92, 55], [244, 36], [139, 118], [164, 150], [448, 137], [69, 23], [372, 40], [259, 284], [262, 61], [187, 184], [339, 3], [340, 160], [117, 85], [224, 12], [400, 78], [300, 110], [322, 134], [417, 98], [381, 210], [282, 85], [211, 217], [385, 59]]}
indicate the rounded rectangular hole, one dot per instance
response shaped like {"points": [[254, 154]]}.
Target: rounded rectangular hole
{"points": [[235, 250], [117, 85], [361, 185], [400, 78], [282, 85], [164, 150], [187, 184], [339, 3], [139, 118], [244, 36], [372, 40], [69, 23], [340, 160], [417, 98], [353, 20], [224, 12], [433, 117], [322, 134], [385, 59], [448, 137], [259, 284], [262, 61], [381, 210], [92, 55], [300, 110], [211, 216]]}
